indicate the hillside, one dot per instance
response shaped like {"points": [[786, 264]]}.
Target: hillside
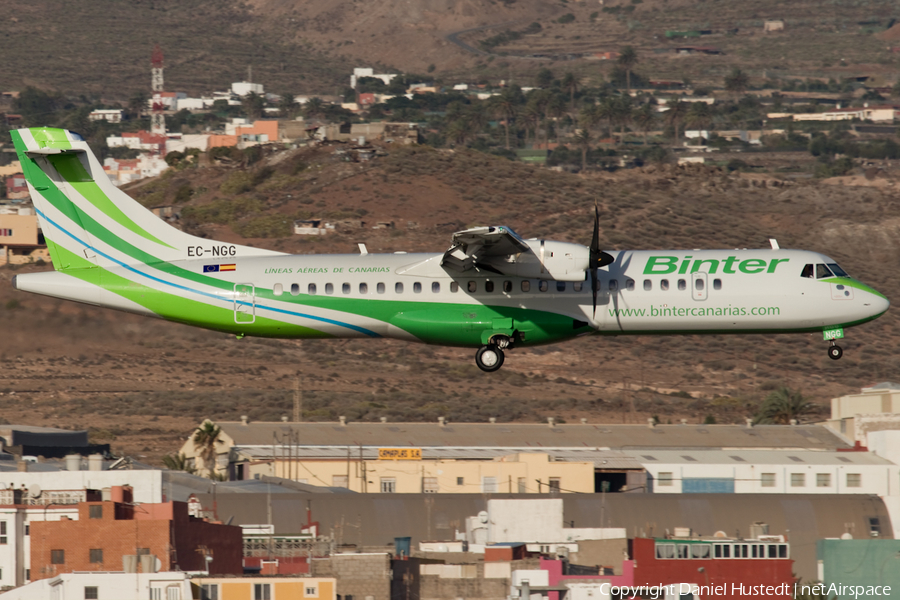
{"points": [[102, 48], [146, 382]]}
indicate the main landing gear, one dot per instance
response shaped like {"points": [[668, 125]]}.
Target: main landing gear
{"points": [[835, 351], [489, 358]]}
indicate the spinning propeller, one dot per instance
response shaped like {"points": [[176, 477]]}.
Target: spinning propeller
{"points": [[598, 258]]}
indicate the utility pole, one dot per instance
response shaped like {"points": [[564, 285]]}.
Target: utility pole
{"points": [[158, 119], [298, 401]]}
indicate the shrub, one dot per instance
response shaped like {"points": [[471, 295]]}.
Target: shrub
{"points": [[237, 183]]}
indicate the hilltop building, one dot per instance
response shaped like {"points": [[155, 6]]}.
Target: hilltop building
{"points": [[21, 238]]}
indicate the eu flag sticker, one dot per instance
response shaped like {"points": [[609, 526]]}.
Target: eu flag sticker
{"points": [[210, 268]]}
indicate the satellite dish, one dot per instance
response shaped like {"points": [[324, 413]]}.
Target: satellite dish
{"points": [[720, 534], [157, 565], [483, 516], [846, 536], [34, 490]]}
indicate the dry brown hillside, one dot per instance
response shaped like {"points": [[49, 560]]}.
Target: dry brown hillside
{"points": [[143, 383]]}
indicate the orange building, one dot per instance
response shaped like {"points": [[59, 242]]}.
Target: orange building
{"points": [[105, 532]]}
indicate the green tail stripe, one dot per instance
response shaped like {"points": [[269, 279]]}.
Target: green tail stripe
{"points": [[71, 169], [52, 136]]}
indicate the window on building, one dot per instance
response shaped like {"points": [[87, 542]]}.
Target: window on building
{"points": [[311, 590], [854, 480], [262, 591], [95, 511], [665, 551], [155, 593], [2, 532], [278, 289], [96, 556], [339, 481], [874, 526], [388, 485], [6, 232], [91, 592], [460, 481], [683, 551], [209, 591], [665, 478], [27, 529], [823, 479], [522, 486], [489, 485], [173, 593], [57, 557], [767, 479], [554, 485], [798, 479], [430, 485], [700, 551]]}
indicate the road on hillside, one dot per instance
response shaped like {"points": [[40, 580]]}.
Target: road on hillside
{"points": [[454, 37]]}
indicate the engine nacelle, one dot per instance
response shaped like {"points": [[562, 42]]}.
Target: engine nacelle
{"points": [[559, 261]]}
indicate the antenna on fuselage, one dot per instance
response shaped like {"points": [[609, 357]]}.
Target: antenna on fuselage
{"points": [[774, 243]]}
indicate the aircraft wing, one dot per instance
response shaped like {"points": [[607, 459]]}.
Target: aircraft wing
{"points": [[473, 246]]}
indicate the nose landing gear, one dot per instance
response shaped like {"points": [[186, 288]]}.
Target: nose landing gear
{"points": [[490, 357], [835, 351]]}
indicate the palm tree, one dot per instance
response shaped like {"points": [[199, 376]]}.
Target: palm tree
{"points": [[676, 114], [622, 114], [458, 132], [205, 439], [699, 116], [607, 110], [583, 139], [737, 82], [531, 118], [506, 105], [178, 462], [253, 105], [287, 105], [644, 118], [555, 109], [313, 108], [784, 405], [570, 84], [628, 58]]}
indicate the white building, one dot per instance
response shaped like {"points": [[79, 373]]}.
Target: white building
{"points": [[876, 114], [360, 72], [110, 115], [242, 88], [782, 471], [200, 141], [125, 170], [201, 103], [107, 586]]}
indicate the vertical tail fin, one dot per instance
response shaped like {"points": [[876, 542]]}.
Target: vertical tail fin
{"points": [[87, 221]]}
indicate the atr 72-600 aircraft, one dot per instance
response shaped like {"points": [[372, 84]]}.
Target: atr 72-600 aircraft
{"points": [[491, 290]]}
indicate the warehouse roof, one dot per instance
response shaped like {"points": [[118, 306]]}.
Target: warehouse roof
{"points": [[530, 436], [759, 457]]}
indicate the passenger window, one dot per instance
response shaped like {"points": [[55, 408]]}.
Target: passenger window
{"points": [[698, 284], [543, 286], [436, 287], [472, 287], [629, 285], [823, 272], [454, 287], [526, 285], [398, 288], [717, 284], [682, 284], [329, 289], [560, 286], [345, 288], [613, 285], [807, 271], [489, 286], [664, 285], [310, 289], [278, 289], [295, 289], [507, 286], [379, 288], [648, 285], [417, 287], [364, 288], [578, 286]]}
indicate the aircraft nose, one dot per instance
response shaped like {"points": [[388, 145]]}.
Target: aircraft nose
{"points": [[879, 304]]}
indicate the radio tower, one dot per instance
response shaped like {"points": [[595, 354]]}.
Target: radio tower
{"points": [[158, 119]]}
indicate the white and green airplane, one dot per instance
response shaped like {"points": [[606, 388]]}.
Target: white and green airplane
{"points": [[491, 290]]}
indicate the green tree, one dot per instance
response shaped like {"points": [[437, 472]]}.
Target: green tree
{"points": [[506, 106], [622, 114], [544, 78], [178, 462], [675, 116], [253, 105], [314, 108], [737, 82], [37, 107], [137, 104], [531, 118], [699, 116], [205, 439], [628, 59], [645, 118], [556, 108], [288, 106], [783, 405]]}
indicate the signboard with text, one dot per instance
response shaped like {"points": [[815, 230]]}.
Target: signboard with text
{"points": [[399, 454]]}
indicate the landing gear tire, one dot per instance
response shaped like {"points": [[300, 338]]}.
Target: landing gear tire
{"points": [[835, 352], [489, 358]]}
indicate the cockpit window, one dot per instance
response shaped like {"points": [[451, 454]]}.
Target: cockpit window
{"points": [[823, 272], [808, 272], [839, 272]]}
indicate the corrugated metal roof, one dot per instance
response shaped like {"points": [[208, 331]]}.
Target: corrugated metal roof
{"points": [[535, 436], [765, 457]]}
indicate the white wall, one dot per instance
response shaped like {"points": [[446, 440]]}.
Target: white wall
{"points": [[147, 484], [538, 520], [118, 586]]}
